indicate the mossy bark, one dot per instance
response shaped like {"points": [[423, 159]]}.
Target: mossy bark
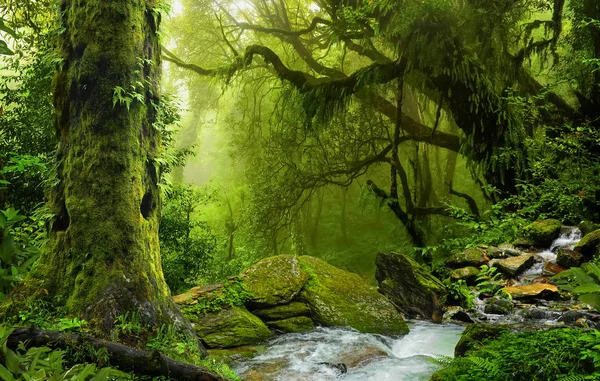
{"points": [[102, 259]]}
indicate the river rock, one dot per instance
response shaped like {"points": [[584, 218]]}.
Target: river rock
{"points": [[541, 279], [510, 250], [274, 280], [283, 311], [230, 327], [236, 353], [362, 356], [538, 291], [292, 325], [589, 246], [540, 233], [191, 296], [411, 288], [475, 334], [514, 265], [587, 227], [457, 313], [341, 298], [499, 307], [568, 258], [551, 269], [468, 274], [474, 256]]}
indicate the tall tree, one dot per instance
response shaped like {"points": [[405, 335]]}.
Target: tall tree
{"points": [[102, 259]]}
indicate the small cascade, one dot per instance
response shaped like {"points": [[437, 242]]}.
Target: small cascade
{"points": [[568, 238]]}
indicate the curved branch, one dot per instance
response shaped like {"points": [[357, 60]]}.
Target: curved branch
{"points": [[316, 21]]}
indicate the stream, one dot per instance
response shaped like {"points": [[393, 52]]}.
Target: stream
{"points": [[313, 355]]}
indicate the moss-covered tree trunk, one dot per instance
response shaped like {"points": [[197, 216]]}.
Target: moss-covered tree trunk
{"points": [[103, 258]]}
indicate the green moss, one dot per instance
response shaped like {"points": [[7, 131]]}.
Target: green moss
{"points": [[283, 311], [292, 325], [589, 245], [233, 293], [541, 233], [474, 256], [341, 298], [476, 335]]}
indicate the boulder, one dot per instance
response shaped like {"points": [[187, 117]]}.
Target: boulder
{"points": [[411, 288], [468, 274], [457, 313], [236, 353], [192, 295], [291, 325], [551, 269], [587, 227], [274, 280], [514, 265], [475, 334], [494, 252], [474, 256], [568, 258], [341, 298], [509, 250], [283, 311], [589, 246], [362, 356], [499, 307], [540, 233], [538, 291], [230, 327]]}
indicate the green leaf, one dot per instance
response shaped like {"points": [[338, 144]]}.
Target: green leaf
{"points": [[4, 50], [5, 374], [587, 288], [12, 361], [591, 299], [7, 249], [6, 29]]}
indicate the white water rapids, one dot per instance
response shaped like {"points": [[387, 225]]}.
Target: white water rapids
{"points": [[295, 357]]}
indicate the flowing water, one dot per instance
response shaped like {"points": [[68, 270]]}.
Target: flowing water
{"points": [[295, 357]]}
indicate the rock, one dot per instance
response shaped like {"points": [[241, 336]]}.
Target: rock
{"points": [[475, 334], [587, 227], [541, 233], [229, 327], [537, 314], [589, 246], [540, 280], [341, 298], [474, 256], [457, 313], [468, 274], [411, 288], [292, 325], [568, 258], [551, 269], [571, 317], [509, 250], [192, 295], [539, 291], [494, 252], [340, 369], [283, 311], [499, 307], [362, 356], [514, 265], [274, 280], [236, 353]]}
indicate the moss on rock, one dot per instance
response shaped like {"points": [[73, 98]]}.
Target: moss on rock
{"points": [[340, 298], [540, 233], [468, 274], [274, 280], [589, 246], [474, 335], [229, 327], [292, 325], [474, 256], [283, 311]]}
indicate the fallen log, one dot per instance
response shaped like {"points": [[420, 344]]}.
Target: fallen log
{"points": [[150, 363]]}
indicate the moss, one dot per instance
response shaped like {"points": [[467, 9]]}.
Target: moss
{"points": [[475, 335], [341, 298], [474, 256], [283, 311], [541, 233], [469, 274], [589, 246], [292, 325], [233, 292], [230, 327], [275, 280]]}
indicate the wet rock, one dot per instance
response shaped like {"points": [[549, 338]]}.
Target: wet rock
{"points": [[541, 280], [551, 269], [475, 334], [514, 265], [283, 311], [474, 256], [236, 353], [339, 369], [537, 314], [468, 274], [292, 325], [457, 313], [275, 280], [538, 291], [411, 288], [587, 227], [589, 246], [499, 307], [229, 327], [509, 250], [341, 298], [540, 233], [568, 258], [571, 317], [362, 356]]}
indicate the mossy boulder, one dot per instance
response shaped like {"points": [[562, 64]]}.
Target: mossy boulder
{"points": [[568, 258], [589, 246], [587, 227], [341, 298], [274, 280], [283, 311], [410, 288], [514, 265], [292, 325], [474, 256], [475, 334], [540, 233], [499, 307], [469, 274], [229, 327]]}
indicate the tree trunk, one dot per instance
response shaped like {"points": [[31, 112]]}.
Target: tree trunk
{"points": [[102, 259]]}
